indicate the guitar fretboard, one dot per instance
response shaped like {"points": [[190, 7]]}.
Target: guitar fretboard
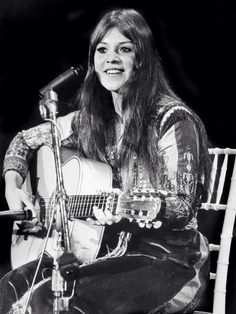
{"points": [[81, 206]]}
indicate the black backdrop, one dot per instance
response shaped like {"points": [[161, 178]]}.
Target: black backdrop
{"points": [[41, 39]]}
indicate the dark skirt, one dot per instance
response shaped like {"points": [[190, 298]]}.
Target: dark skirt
{"points": [[149, 278]]}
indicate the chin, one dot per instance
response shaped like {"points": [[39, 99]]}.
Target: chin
{"points": [[112, 85], [112, 88]]}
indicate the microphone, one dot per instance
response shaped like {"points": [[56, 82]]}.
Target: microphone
{"points": [[17, 214], [66, 79]]}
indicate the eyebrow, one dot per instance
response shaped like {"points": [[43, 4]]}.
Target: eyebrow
{"points": [[120, 43]]}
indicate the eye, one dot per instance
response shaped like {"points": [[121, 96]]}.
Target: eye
{"points": [[102, 49], [126, 49]]}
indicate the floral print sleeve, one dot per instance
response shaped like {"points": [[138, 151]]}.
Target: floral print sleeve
{"points": [[178, 173], [176, 177], [23, 145]]}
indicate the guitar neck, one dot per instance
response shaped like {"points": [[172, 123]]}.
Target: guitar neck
{"points": [[82, 205], [141, 207]]}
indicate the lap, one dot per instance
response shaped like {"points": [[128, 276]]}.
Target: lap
{"points": [[128, 284]]}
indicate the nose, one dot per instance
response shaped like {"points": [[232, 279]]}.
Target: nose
{"points": [[112, 57]]}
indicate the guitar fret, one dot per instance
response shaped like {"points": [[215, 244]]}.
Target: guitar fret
{"points": [[96, 201], [86, 205], [104, 203], [70, 204], [75, 204], [90, 212], [99, 200], [112, 205], [90, 207], [81, 205], [71, 208]]}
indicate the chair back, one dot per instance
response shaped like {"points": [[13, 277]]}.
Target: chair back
{"points": [[222, 197]]}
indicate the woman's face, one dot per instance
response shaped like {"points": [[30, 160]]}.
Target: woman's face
{"points": [[114, 60]]}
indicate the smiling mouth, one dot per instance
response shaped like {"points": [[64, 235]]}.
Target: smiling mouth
{"points": [[114, 71]]}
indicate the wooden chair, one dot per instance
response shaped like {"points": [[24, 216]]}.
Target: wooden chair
{"points": [[222, 198]]}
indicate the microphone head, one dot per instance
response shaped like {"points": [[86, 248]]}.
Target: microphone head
{"points": [[17, 214], [65, 85]]}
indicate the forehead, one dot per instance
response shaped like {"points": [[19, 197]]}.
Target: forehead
{"points": [[114, 35]]}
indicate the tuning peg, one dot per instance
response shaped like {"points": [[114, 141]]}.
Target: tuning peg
{"points": [[163, 192], [150, 197], [157, 224], [132, 212], [141, 224], [152, 190], [140, 213], [148, 225]]}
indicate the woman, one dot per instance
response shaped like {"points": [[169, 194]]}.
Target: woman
{"points": [[129, 118]]}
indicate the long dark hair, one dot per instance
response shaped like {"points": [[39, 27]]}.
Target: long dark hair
{"points": [[142, 94]]}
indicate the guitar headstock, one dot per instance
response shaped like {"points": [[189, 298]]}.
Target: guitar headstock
{"points": [[141, 206]]}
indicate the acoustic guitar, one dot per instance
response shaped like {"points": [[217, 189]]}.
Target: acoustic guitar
{"points": [[87, 183]]}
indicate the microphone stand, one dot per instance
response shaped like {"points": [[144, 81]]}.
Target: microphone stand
{"points": [[66, 265]]}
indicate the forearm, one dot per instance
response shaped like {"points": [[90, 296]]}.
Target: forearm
{"points": [[13, 180], [16, 198], [178, 174]]}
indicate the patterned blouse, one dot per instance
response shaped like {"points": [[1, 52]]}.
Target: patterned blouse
{"points": [[178, 151]]}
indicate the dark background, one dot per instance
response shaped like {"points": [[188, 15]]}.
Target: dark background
{"points": [[41, 39]]}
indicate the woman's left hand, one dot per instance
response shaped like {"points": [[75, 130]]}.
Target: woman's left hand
{"points": [[103, 217]]}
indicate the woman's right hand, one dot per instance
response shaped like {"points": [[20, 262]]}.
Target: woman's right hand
{"points": [[18, 199]]}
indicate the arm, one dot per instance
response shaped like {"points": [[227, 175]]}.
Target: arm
{"points": [[15, 169], [178, 173], [176, 177], [16, 164], [19, 154], [177, 170]]}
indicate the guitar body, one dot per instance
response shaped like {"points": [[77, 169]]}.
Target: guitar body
{"points": [[81, 177]]}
